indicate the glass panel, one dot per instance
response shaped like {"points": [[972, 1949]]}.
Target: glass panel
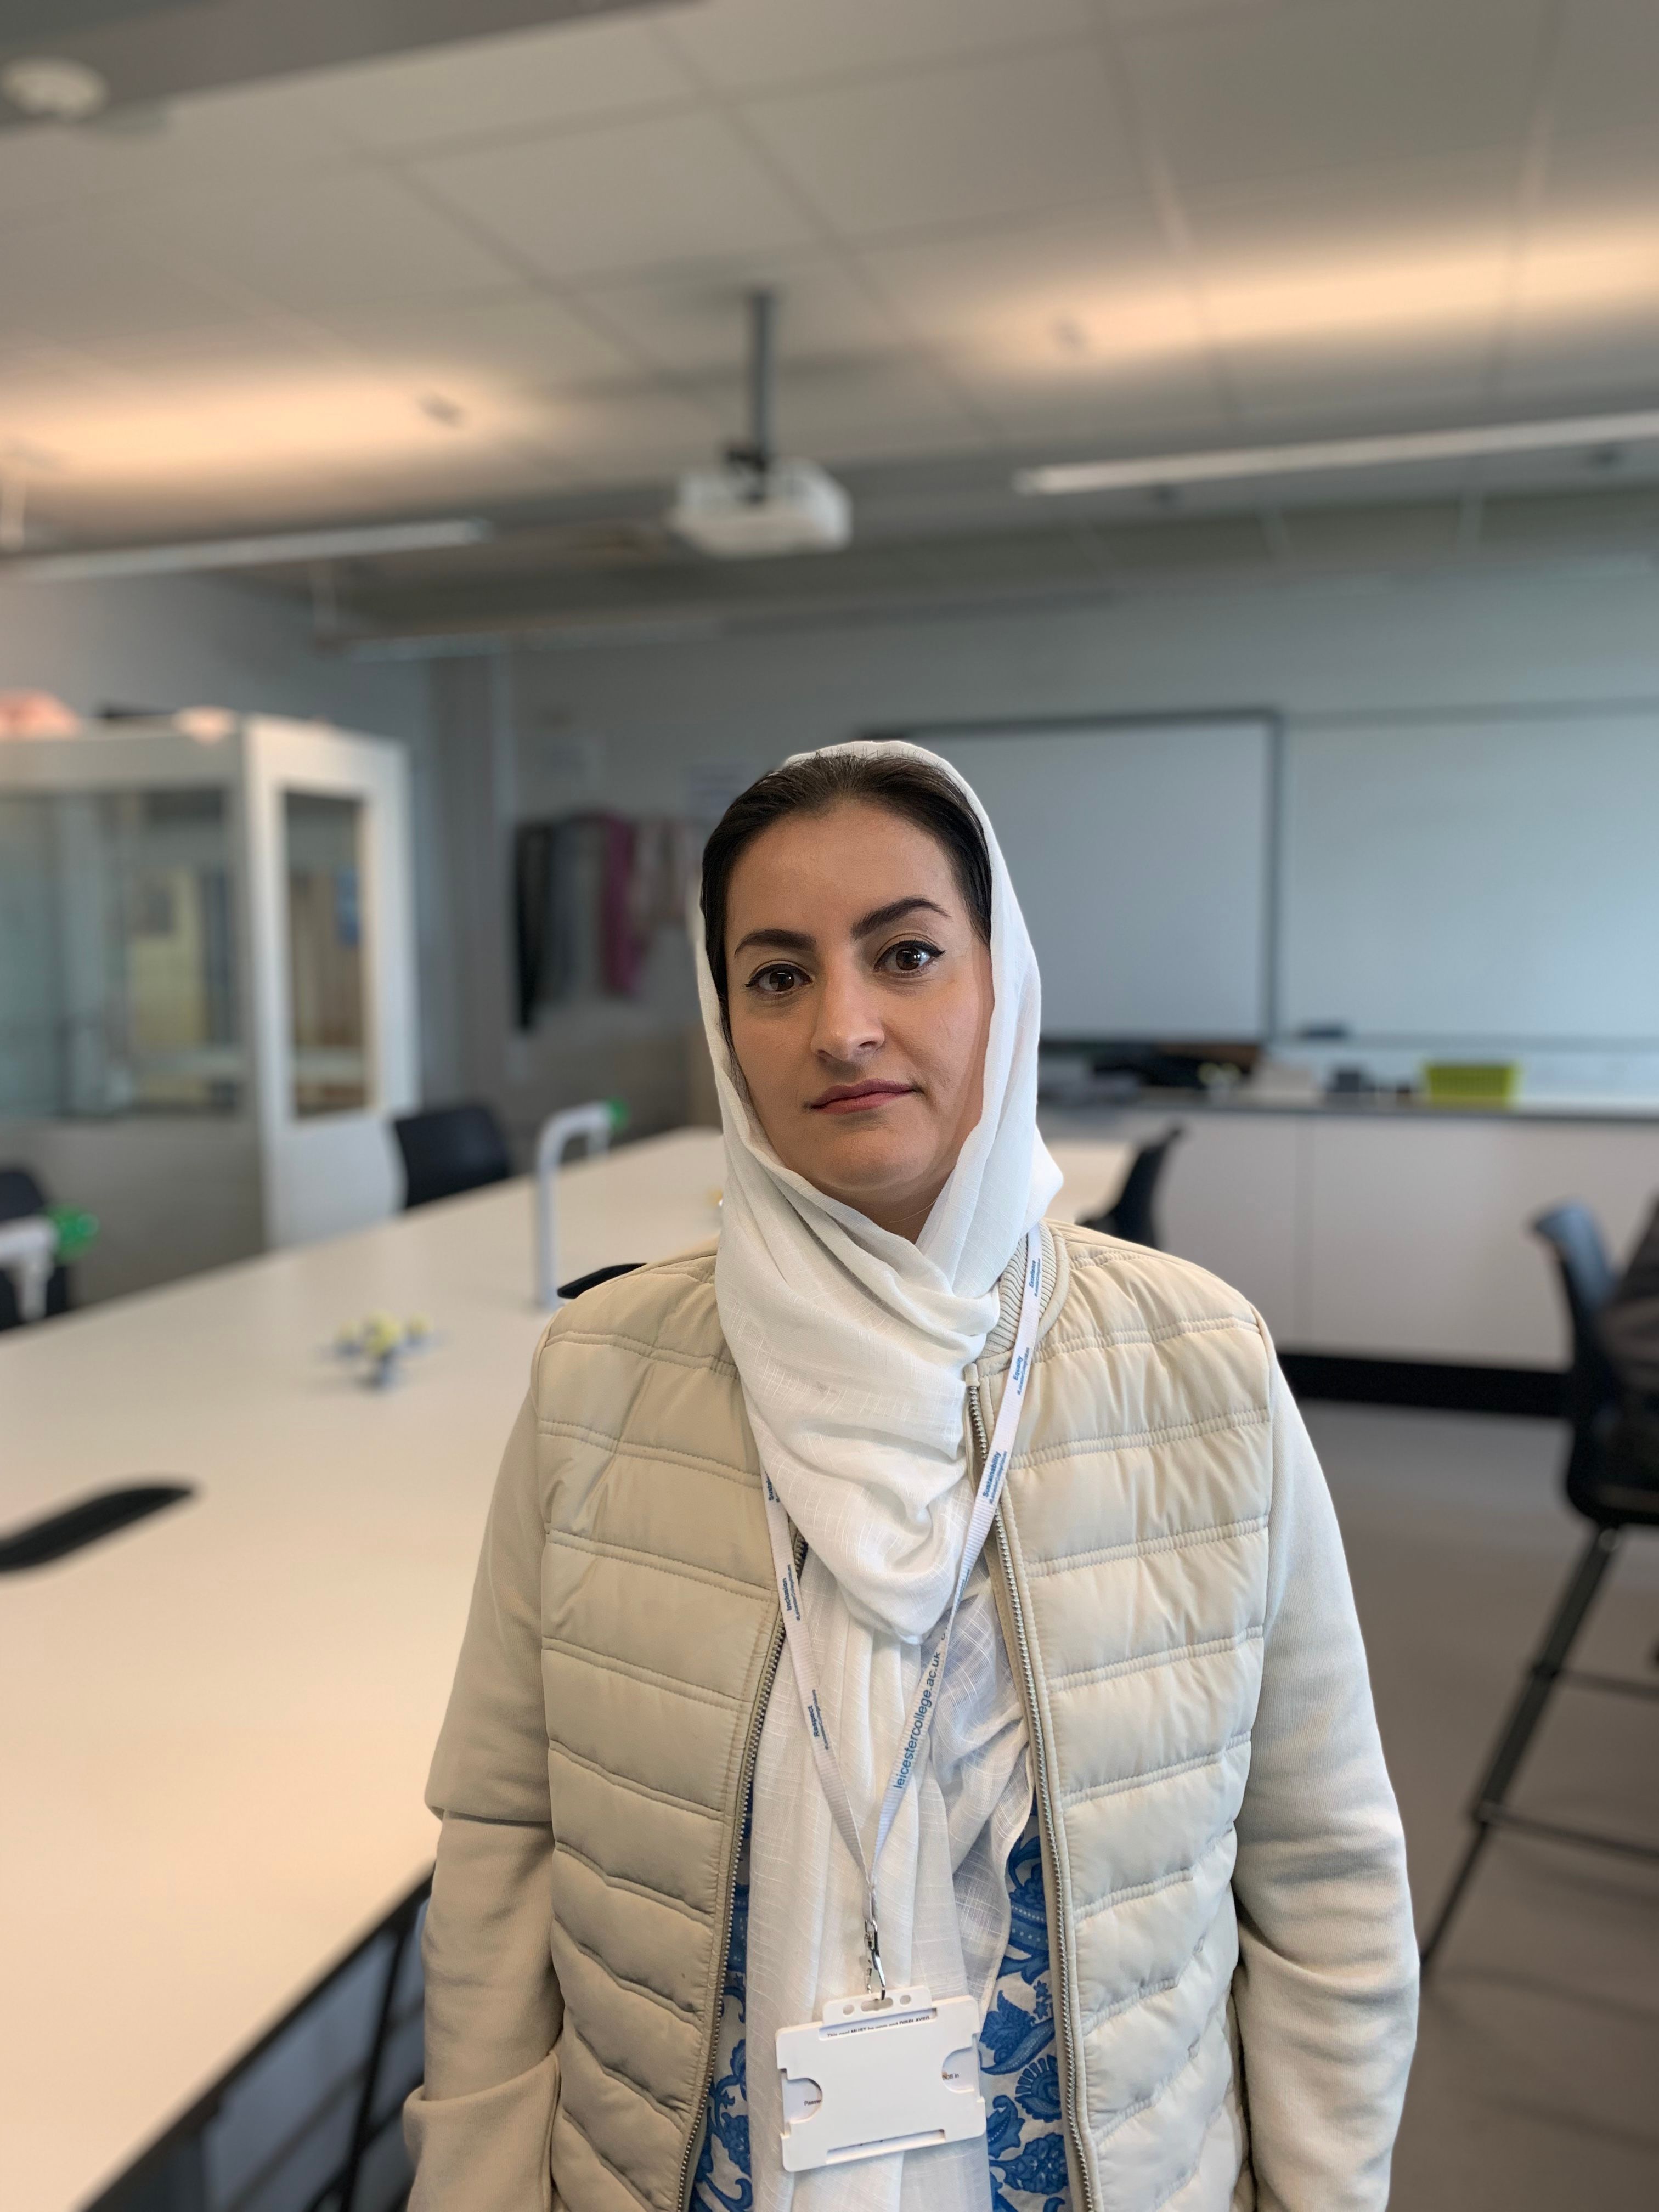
{"points": [[118, 985], [326, 953]]}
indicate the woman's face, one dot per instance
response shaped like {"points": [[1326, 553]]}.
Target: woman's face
{"points": [[860, 1000]]}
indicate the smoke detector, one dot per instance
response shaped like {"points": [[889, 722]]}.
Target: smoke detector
{"points": [[52, 89], [756, 506]]}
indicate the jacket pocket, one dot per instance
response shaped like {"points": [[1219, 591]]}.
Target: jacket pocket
{"points": [[488, 2152]]}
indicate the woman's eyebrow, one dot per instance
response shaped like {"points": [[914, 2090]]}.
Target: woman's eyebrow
{"points": [[781, 940], [880, 916], [798, 940]]}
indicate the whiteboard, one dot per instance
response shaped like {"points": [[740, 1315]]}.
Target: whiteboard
{"points": [[1471, 880], [1140, 854]]}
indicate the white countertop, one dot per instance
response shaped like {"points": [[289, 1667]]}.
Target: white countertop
{"points": [[214, 1726], [1062, 1108]]}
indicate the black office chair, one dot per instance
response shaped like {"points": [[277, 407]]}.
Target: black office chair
{"points": [[1131, 1214], [1612, 1478], [21, 1195], [450, 1149]]}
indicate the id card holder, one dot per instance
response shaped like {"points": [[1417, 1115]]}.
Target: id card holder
{"points": [[877, 2075]]}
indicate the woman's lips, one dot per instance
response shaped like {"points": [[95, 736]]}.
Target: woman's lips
{"points": [[860, 1097]]}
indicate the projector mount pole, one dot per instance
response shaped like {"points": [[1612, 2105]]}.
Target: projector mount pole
{"points": [[756, 457]]}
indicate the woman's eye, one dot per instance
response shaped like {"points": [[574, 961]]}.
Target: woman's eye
{"points": [[775, 981], [910, 957]]}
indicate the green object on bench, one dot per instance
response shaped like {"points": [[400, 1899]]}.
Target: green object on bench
{"points": [[1471, 1082], [76, 1232]]}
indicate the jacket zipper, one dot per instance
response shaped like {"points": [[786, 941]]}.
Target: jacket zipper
{"points": [[1071, 2088], [745, 1779]]}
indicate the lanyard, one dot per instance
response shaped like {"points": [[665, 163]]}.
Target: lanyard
{"points": [[922, 1706]]}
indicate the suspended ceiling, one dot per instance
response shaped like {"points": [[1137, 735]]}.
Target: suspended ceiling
{"points": [[506, 277]]}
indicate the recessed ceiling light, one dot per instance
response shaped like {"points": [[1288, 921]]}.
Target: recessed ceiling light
{"points": [[54, 88]]}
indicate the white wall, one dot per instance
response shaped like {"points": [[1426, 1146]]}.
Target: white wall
{"points": [[165, 642], [673, 726], [645, 716]]}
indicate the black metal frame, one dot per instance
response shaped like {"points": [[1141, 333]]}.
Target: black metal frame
{"points": [[1591, 1400], [1490, 1809], [342, 2185]]}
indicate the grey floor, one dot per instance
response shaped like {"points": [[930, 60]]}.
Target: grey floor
{"points": [[1536, 2085]]}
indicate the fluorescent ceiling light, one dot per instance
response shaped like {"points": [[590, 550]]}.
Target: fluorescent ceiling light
{"points": [[293, 545], [1329, 454]]}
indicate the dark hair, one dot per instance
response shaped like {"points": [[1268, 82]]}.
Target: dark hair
{"points": [[921, 794]]}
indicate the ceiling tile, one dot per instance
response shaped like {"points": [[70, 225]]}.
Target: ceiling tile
{"points": [[74, 511], [80, 278], [1180, 11], [1015, 135], [623, 437], [635, 196], [201, 428], [1585, 314], [323, 242], [209, 362], [1374, 262], [1078, 328], [566, 73], [855, 409], [1310, 387], [192, 145], [1607, 76], [1069, 295], [1605, 359], [437, 480], [684, 324], [1607, 179], [1260, 94], [455, 374], [1371, 209], [517, 337], [741, 45], [1110, 406]]}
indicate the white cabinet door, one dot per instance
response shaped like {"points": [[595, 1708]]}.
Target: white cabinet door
{"points": [[334, 990], [1418, 1245], [1230, 1200]]}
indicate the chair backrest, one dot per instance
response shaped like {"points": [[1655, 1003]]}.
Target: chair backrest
{"points": [[450, 1149], [1132, 1214], [1586, 1276], [21, 1195]]}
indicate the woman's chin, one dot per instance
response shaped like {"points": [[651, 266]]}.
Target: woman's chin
{"points": [[877, 1177]]}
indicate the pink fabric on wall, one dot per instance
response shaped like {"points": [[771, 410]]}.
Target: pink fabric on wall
{"points": [[622, 951]]}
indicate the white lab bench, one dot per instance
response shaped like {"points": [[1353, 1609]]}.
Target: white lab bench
{"points": [[215, 1728], [1391, 1232]]}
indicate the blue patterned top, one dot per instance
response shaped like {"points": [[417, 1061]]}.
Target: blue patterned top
{"points": [[1019, 2071]]}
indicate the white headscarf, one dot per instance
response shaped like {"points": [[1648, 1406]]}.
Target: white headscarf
{"points": [[850, 1343]]}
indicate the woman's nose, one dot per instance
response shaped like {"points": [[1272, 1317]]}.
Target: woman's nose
{"points": [[850, 1021]]}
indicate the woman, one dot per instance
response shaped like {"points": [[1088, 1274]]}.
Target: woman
{"points": [[1127, 1802]]}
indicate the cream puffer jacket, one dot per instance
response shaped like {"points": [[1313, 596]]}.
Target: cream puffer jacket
{"points": [[1234, 1973]]}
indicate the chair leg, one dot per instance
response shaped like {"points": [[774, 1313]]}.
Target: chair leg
{"points": [[1538, 1686]]}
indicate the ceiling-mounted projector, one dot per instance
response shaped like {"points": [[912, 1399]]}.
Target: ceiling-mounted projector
{"points": [[741, 513], [755, 505]]}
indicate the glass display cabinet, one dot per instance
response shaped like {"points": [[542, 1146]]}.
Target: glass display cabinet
{"points": [[206, 924]]}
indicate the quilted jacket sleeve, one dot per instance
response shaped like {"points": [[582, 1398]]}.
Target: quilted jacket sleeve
{"points": [[478, 2128], [1326, 1990]]}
